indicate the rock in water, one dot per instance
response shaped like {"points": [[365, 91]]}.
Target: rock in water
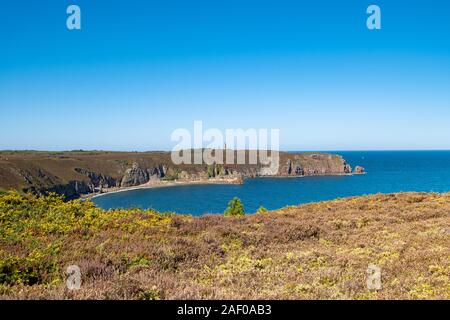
{"points": [[359, 170]]}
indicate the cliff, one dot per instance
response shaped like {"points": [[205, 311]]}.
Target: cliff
{"points": [[76, 173]]}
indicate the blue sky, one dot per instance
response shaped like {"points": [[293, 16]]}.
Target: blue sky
{"points": [[140, 69]]}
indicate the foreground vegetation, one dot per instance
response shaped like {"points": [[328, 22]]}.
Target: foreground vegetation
{"points": [[314, 251]]}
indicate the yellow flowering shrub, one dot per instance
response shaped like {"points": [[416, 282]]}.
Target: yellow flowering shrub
{"points": [[33, 229]]}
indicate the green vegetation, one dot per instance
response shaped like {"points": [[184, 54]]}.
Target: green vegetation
{"points": [[261, 210], [235, 208], [34, 231], [172, 174], [151, 294], [211, 171], [78, 172], [314, 251], [215, 170]]}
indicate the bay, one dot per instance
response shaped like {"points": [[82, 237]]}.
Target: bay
{"points": [[387, 172]]}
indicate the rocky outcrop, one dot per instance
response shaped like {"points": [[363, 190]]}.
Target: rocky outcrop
{"points": [[293, 167], [157, 173], [347, 168], [138, 174], [98, 180], [134, 176], [359, 170], [315, 164], [239, 180], [72, 190], [77, 173]]}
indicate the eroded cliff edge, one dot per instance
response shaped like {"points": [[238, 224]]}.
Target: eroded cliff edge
{"points": [[85, 172]]}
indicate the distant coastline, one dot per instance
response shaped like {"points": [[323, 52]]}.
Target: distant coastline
{"points": [[168, 184], [387, 172], [85, 174]]}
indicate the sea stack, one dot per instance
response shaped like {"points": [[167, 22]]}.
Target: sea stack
{"points": [[359, 170]]}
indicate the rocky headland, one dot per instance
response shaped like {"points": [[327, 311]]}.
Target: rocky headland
{"points": [[79, 173]]}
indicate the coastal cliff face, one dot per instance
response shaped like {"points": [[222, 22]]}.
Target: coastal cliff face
{"points": [[315, 164], [76, 173]]}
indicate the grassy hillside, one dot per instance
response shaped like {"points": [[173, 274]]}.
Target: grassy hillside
{"points": [[314, 251], [82, 172], [22, 170]]}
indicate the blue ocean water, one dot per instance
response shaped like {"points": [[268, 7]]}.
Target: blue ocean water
{"points": [[387, 171]]}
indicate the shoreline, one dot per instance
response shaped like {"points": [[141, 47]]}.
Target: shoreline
{"points": [[176, 183], [160, 184]]}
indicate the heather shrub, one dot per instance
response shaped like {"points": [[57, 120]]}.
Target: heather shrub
{"points": [[314, 251], [151, 294], [261, 210], [34, 230]]}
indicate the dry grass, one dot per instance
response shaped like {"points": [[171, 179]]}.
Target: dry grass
{"points": [[314, 251]]}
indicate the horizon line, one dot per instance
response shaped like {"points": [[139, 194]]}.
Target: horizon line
{"points": [[285, 150]]}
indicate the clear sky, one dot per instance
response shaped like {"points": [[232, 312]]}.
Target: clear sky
{"points": [[140, 69]]}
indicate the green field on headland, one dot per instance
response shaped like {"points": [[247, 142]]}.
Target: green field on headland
{"points": [[78, 173]]}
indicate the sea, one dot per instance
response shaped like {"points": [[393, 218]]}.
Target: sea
{"points": [[386, 172]]}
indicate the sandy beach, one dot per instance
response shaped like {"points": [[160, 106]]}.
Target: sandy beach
{"points": [[162, 184]]}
